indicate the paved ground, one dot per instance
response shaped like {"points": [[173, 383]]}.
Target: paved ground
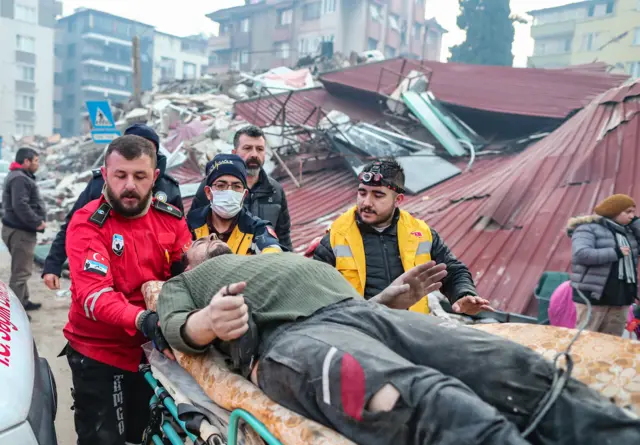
{"points": [[47, 324]]}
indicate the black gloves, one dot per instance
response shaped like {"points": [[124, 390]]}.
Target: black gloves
{"points": [[149, 325]]}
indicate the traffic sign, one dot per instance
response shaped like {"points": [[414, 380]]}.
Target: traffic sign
{"points": [[104, 127]]}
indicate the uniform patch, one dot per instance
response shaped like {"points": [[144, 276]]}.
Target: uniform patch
{"points": [[96, 267], [161, 196], [272, 232], [117, 244], [101, 214], [417, 234]]}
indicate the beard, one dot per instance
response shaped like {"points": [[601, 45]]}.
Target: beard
{"points": [[124, 210], [218, 249], [378, 218], [253, 166]]}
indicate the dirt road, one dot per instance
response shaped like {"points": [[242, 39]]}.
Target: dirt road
{"points": [[47, 324]]}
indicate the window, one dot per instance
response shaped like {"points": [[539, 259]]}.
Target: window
{"points": [[71, 50], [432, 36], [328, 6], [244, 25], [25, 102], [26, 73], [417, 31], [610, 7], [634, 69], [244, 57], [25, 44], [601, 9], [167, 68], [389, 52], [70, 100], [372, 44], [636, 36], [376, 12], [590, 41], [26, 14], [567, 45], [24, 129], [285, 17], [311, 11], [71, 76], [394, 22], [283, 50], [188, 70]]}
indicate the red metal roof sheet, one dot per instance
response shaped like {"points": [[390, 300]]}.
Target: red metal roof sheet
{"points": [[300, 108], [527, 199], [523, 91]]}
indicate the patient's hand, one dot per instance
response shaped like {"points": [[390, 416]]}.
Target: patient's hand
{"points": [[228, 313], [412, 286]]}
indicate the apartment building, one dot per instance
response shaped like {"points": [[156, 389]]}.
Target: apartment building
{"points": [[26, 66], [268, 33], [93, 62], [588, 31], [179, 57]]}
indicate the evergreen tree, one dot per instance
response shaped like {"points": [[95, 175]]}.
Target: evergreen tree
{"points": [[490, 33]]}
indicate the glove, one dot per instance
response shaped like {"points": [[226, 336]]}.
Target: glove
{"points": [[150, 327]]}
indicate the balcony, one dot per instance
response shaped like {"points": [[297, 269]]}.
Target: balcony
{"points": [[374, 28], [217, 43], [282, 34], [396, 7], [419, 12], [553, 29], [240, 39], [393, 38], [107, 84], [550, 60], [109, 60]]}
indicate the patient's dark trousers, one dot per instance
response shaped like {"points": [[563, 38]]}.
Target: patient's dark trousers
{"points": [[458, 385]]}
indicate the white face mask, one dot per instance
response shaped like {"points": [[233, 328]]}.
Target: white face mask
{"points": [[227, 203]]}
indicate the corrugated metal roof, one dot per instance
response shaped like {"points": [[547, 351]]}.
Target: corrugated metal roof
{"points": [[523, 201], [300, 108], [522, 91]]}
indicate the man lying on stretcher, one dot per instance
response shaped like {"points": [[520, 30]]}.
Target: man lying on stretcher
{"points": [[375, 374]]}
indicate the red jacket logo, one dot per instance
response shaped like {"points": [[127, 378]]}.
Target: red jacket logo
{"points": [[417, 234]]}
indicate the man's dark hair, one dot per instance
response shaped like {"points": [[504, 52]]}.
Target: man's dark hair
{"points": [[132, 147], [25, 153], [252, 131], [390, 170]]}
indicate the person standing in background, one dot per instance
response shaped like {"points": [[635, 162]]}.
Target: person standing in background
{"points": [[25, 216], [604, 263], [266, 198]]}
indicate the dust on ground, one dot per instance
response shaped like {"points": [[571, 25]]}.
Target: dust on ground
{"points": [[46, 325]]}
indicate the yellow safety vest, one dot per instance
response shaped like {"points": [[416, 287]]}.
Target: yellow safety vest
{"points": [[239, 242], [414, 243]]}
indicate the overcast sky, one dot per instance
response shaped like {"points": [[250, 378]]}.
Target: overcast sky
{"points": [[184, 17]]}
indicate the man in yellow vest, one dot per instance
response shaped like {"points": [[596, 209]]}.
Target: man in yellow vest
{"points": [[225, 216], [375, 242]]}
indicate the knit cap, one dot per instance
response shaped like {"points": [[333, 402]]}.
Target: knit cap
{"points": [[614, 205], [227, 164], [144, 131]]}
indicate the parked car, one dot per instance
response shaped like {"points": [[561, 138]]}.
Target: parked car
{"points": [[28, 401], [4, 171]]}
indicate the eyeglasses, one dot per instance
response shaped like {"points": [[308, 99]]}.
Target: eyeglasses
{"points": [[221, 186]]}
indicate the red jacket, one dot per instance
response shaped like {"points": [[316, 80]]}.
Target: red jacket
{"points": [[110, 257]]}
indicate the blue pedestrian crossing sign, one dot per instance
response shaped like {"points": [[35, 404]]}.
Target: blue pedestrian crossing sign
{"points": [[104, 127]]}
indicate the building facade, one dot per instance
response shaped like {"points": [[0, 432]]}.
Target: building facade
{"points": [[586, 32], [178, 57], [27, 63], [263, 34]]}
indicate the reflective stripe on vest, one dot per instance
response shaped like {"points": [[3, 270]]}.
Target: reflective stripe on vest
{"points": [[414, 242], [238, 242]]}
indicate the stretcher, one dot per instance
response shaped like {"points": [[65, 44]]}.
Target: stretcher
{"points": [[199, 400]]}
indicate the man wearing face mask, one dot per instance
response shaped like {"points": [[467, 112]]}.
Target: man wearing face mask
{"points": [[226, 189]]}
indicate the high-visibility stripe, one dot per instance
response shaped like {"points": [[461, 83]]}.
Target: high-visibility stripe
{"points": [[93, 298], [342, 251], [326, 366], [424, 247]]}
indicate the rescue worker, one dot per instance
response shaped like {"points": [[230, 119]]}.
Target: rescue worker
{"points": [[266, 198], [165, 189], [226, 189], [374, 242], [115, 244]]}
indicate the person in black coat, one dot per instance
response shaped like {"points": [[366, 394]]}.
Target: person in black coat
{"points": [[166, 189], [266, 198]]}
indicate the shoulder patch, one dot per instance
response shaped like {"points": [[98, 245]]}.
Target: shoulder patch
{"points": [[166, 208], [101, 214], [96, 173]]}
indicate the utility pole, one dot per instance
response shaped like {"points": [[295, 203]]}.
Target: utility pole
{"points": [[137, 72]]}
